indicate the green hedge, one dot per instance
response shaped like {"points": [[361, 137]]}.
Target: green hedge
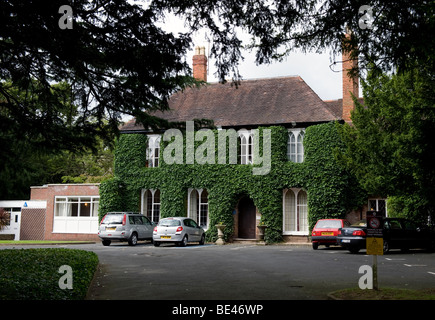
{"points": [[33, 274], [331, 191]]}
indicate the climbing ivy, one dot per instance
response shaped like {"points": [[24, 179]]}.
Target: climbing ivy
{"points": [[331, 190]]}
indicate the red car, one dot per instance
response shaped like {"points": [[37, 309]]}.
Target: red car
{"points": [[326, 230]]}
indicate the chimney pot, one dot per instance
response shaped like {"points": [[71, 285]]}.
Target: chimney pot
{"points": [[199, 63]]}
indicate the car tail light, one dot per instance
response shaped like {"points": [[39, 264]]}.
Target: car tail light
{"points": [[358, 233], [313, 233], [179, 229], [124, 220], [155, 229], [102, 220], [338, 232]]}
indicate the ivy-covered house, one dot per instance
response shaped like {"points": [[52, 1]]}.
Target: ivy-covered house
{"points": [[277, 126]]}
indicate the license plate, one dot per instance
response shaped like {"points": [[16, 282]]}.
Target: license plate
{"points": [[165, 237], [327, 233], [110, 229], [345, 241]]}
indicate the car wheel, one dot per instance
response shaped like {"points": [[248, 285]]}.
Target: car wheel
{"points": [[133, 239], [386, 246], [202, 241], [315, 245], [106, 242], [183, 242], [156, 244]]}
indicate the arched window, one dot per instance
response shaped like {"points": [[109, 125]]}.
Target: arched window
{"points": [[153, 151], [295, 146], [198, 206], [151, 204], [295, 212], [246, 139]]}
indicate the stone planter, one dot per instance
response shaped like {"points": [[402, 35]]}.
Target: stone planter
{"points": [[261, 232], [220, 228]]}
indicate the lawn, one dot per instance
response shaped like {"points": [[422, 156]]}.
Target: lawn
{"points": [[23, 242], [33, 274]]}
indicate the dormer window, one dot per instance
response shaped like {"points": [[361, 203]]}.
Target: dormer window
{"points": [[295, 146], [153, 151]]}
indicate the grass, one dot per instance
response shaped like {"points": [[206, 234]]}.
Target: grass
{"points": [[384, 294], [40, 242], [33, 274]]}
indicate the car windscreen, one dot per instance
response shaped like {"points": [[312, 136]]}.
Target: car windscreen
{"points": [[113, 219], [328, 224], [169, 223]]}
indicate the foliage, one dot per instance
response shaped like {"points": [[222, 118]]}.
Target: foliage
{"points": [[397, 35], [331, 191], [4, 218], [117, 59], [390, 147], [33, 274]]}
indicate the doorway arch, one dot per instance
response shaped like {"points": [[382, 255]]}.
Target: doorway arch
{"points": [[247, 218]]}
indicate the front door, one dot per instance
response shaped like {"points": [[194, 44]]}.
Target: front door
{"points": [[247, 215]]}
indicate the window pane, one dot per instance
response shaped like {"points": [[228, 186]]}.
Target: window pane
{"points": [[289, 211], [302, 211], [85, 209]]}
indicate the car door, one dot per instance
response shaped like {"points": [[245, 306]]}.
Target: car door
{"points": [[394, 234], [140, 227], [192, 230], [148, 226]]}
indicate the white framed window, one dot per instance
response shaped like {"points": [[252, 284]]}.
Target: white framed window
{"points": [[197, 206], [295, 212], [76, 214], [79, 206], [378, 205], [246, 138], [153, 151], [295, 145], [151, 204]]}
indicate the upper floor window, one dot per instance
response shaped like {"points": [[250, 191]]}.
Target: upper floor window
{"points": [[246, 147], [153, 151], [295, 146]]}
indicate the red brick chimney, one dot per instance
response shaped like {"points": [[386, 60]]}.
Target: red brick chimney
{"points": [[200, 64], [350, 83]]}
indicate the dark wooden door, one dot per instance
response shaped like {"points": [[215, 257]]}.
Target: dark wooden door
{"points": [[246, 218]]}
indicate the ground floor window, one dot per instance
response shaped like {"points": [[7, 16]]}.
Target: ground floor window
{"points": [[198, 206], [295, 212], [379, 205], [151, 204], [76, 214]]}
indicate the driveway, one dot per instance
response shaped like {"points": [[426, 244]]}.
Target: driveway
{"points": [[246, 272]]}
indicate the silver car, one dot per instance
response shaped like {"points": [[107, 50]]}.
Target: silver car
{"points": [[125, 226], [179, 230]]}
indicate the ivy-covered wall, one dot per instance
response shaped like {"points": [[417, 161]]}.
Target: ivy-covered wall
{"points": [[332, 192]]}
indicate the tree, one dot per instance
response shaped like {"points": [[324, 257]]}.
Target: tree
{"points": [[390, 146]]}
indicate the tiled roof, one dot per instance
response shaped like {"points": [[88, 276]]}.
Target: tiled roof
{"points": [[270, 101]]}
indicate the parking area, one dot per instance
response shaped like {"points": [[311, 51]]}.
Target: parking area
{"points": [[247, 272], [243, 272]]}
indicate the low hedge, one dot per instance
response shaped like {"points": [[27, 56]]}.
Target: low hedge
{"points": [[33, 274]]}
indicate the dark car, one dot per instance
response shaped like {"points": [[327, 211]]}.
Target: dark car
{"points": [[326, 230], [398, 233]]}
